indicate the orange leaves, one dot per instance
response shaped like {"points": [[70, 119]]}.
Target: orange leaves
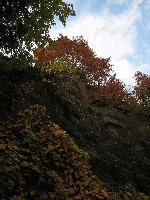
{"points": [[115, 91], [75, 57], [142, 88], [45, 54], [77, 53], [117, 94]]}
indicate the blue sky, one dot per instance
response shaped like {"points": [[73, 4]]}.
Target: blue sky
{"points": [[119, 29]]}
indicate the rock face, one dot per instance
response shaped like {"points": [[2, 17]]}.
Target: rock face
{"points": [[117, 140]]}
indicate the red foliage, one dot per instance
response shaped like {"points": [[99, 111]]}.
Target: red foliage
{"points": [[80, 55], [142, 88], [96, 70], [115, 91]]}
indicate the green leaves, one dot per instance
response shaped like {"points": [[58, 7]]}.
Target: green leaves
{"points": [[29, 21]]}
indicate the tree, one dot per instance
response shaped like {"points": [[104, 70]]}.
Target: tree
{"points": [[142, 88], [64, 56], [28, 21], [115, 91], [75, 55]]}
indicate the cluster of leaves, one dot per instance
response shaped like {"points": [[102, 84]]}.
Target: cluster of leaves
{"points": [[128, 192], [39, 160], [116, 92], [76, 57], [29, 21], [142, 88]]}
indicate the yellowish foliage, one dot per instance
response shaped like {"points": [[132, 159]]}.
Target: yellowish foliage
{"points": [[39, 153], [41, 161]]}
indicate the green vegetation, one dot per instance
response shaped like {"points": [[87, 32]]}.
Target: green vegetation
{"points": [[28, 22]]}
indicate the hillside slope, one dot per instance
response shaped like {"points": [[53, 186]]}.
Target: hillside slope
{"points": [[117, 140]]}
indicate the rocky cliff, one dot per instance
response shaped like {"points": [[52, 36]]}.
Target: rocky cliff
{"points": [[117, 139]]}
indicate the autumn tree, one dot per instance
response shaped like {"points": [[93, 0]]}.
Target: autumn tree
{"points": [[66, 54], [142, 88], [115, 91]]}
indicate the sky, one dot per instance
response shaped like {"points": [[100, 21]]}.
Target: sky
{"points": [[119, 29]]}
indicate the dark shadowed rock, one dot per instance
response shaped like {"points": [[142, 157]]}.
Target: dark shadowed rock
{"points": [[116, 139]]}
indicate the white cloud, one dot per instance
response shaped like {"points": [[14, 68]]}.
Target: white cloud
{"points": [[125, 70], [120, 2], [109, 35]]}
